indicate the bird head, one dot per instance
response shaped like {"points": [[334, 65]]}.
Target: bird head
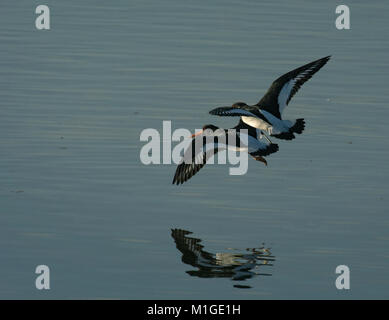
{"points": [[239, 105], [208, 129]]}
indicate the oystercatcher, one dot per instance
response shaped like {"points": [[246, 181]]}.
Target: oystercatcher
{"points": [[237, 265], [266, 114], [212, 139]]}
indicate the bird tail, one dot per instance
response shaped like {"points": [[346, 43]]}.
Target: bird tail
{"points": [[271, 148], [298, 127]]}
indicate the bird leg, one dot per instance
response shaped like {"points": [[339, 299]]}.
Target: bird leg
{"points": [[259, 158], [266, 137]]}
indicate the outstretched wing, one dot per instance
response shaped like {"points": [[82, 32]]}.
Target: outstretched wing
{"points": [[285, 87], [235, 111], [195, 158]]}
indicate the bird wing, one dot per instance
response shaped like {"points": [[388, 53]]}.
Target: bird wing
{"points": [[235, 111], [285, 87], [195, 158]]}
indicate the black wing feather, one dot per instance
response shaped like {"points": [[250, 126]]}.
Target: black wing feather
{"points": [[188, 167], [269, 102]]}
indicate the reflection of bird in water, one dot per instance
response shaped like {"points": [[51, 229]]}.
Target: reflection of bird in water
{"points": [[237, 266]]}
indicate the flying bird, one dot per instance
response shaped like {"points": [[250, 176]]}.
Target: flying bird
{"points": [[266, 114], [212, 139]]}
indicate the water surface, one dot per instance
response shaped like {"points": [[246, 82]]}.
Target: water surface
{"points": [[75, 196]]}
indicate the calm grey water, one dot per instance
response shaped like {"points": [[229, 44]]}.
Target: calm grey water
{"points": [[75, 196]]}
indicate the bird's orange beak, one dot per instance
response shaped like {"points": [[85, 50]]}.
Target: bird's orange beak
{"points": [[197, 134]]}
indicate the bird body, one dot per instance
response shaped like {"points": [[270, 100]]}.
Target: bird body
{"points": [[266, 115], [212, 139]]}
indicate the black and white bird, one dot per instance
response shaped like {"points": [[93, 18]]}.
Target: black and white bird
{"points": [[266, 114], [237, 265], [211, 139]]}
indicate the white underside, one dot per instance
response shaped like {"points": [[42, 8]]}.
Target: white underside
{"points": [[276, 125], [258, 123]]}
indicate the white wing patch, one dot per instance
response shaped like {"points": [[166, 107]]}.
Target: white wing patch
{"points": [[285, 93], [278, 125]]}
